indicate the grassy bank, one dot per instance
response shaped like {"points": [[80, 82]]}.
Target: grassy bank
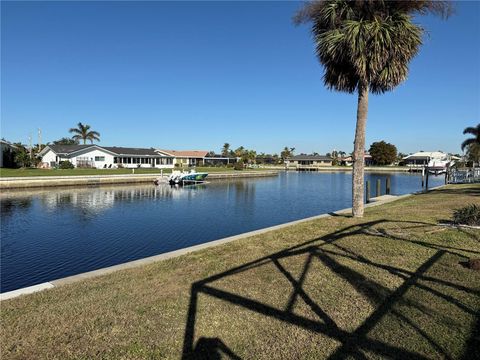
{"points": [[389, 285], [4, 172]]}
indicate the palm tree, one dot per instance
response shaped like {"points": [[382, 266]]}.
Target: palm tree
{"points": [[226, 150], [365, 46], [475, 131], [82, 132]]}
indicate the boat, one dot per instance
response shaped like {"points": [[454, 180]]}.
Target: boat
{"points": [[439, 166], [183, 178]]}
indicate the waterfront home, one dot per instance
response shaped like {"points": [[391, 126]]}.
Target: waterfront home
{"points": [[185, 158], [103, 157], [6, 153], [423, 158], [218, 160], [348, 161], [308, 162]]}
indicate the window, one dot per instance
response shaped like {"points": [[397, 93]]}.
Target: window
{"points": [[99, 158]]}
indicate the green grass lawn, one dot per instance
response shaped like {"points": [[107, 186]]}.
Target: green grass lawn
{"points": [[390, 285], [4, 172]]}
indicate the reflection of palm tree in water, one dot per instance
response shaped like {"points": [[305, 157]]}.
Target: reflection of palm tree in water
{"points": [[10, 206], [245, 192]]}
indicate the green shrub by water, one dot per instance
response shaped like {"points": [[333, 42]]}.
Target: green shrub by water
{"points": [[238, 165], [468, 215], [66, 165]]}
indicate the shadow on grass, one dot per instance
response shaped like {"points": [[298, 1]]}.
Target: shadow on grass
{"points": [[461, 189], [357, 342]]}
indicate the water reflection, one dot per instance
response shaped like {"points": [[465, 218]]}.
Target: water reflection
{"points": [[48, 234], [93, 200], [10, 206]]}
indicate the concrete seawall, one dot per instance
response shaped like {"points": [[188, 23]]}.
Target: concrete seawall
{"points": [[53, 181]]}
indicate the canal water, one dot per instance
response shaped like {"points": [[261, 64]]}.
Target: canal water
{"points": [[50, 234]]}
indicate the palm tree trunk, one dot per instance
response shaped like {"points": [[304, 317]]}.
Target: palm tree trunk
{"points": [[359, 152]]}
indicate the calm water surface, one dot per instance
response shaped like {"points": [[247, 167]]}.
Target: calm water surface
{"points": [[50, 234]]}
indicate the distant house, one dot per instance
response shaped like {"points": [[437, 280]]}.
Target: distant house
{"points": [[348, 161], [218, 160], [6, 153], [186, 158], [308, 162], [422, 158], [101, 157]]}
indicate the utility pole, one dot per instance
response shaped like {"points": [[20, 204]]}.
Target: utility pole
{"points": [[39, 139], [30, 142]]}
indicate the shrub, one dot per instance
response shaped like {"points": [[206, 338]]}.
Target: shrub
{"points": [[66, 165], [468, 215], [238, 165]]}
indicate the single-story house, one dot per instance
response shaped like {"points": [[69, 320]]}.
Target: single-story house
{"points": [[218, 159], [348, 161], [101, 157], [185, 158], [6, 153], [308, 162]]}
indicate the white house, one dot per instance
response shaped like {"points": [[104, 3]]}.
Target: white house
{"points": [[422, 158], [187, 157], [6, 152], [103, 157]]}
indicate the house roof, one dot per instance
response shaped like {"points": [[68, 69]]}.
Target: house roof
{"points": [[68, 149], [186, 153], [132, 151], [310, 157], [426, 154], [115, 150], [7, 143]]}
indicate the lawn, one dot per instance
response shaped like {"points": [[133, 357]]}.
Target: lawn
{"points": [[390, 285], [4, 172]]}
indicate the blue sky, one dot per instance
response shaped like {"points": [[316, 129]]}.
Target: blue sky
{"points": [[187, 75]]}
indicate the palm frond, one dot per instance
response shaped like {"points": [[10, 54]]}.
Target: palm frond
{"points": [[369, 42], [467, 143], [472, 130]]}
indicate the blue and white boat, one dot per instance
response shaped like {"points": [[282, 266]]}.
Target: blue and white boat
{"points": [[183, 178]]}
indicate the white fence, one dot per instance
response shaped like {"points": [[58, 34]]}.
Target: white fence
{"points": [[463, 176]]}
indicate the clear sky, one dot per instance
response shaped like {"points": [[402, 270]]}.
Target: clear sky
{"points": [[193, 75]]}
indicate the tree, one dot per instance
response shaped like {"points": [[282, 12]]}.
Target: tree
{"points": [[473, 153], [475, 131], [286, 153], [239, 152], [22, 158], [226, 150], [365, 46], [383, 153], [65, 141], [83, 132]]}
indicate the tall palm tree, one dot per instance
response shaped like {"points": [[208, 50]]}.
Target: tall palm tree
{"points": [[475, 131], [226, 150], [365, 46], [83, 132]]}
